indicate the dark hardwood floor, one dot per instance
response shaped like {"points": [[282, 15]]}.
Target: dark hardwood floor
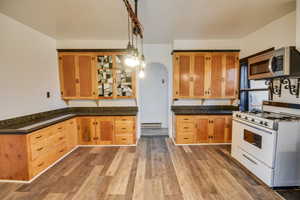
{"points": [[156, 169]]}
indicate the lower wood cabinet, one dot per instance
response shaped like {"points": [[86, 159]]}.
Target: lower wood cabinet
{"points": [[22, 157], [107, 130], [192, 129]]}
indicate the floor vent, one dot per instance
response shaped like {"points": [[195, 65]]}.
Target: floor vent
{"points": [[150, 125]]}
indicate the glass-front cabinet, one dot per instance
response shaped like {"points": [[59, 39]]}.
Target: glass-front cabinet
{"points": [[115, 79], [125, 78], [105, 76]]}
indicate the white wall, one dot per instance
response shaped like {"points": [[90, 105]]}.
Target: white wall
{"points": [[206, 44], [28, 69], [161, 54], [153, 95], [279, 33]]}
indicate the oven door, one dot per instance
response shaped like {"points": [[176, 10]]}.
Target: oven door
{"points": [[257, 141]]}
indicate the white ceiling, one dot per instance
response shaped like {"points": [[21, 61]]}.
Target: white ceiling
{"points": [[163, 20]]}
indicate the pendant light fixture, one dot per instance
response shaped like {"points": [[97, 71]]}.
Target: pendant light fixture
{"points": [[133, 58]]}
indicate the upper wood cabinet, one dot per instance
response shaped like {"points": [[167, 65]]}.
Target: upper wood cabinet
{"points": [[114, 78], [96, 75], [77, 76], [206, 75]]}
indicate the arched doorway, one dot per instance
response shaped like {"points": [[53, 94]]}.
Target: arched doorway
{"points": [[153, 96]]}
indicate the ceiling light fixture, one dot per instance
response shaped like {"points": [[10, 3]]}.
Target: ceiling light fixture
{"points": [[134, 59]]}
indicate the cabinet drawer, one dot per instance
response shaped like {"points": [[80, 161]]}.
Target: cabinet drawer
{"points": [[186, 127], [39, 149], [60, 127], [125, 119], [124, 139], [185, 119], [124, 128], [40, 135], [185, 138], [60, 151], [39, 165], [58, 138]]}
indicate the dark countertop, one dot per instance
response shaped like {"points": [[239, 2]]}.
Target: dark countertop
{"points": [[34, 122], [204, 110]]}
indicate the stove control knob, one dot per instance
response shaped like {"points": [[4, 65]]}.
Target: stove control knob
{"points": [[266, 124], [252, 120], [239, 116], [261, 122], [246, 118]]}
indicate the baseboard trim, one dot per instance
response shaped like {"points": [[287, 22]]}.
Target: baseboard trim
{"points": [[199, 144]]}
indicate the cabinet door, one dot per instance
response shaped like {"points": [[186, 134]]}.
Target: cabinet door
{"points": [[199, 73], [72, 133], [124, 79], [87, 77], [105, 79], [105, 130], [228, 129], [231, 68], [202, 129], [87, 131], [218, 124], [68, 80], [216, 76], [182, 76]]}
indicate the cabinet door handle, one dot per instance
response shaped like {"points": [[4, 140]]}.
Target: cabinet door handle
{"points": [[123, 138], [40, 149], [61, 138], [61, 150], [123, 128], [38, 137], [96, 138], [41, 164]]}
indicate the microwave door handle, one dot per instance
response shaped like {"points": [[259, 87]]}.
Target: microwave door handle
{"points": [[270, 65]]}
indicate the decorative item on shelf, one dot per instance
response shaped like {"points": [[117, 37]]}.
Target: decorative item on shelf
{"points": [[277, 89]]}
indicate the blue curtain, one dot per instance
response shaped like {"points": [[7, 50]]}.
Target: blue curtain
{"points": [[244, 83]]}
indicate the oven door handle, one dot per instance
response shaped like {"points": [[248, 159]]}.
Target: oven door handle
{"points": [[270, 65], [251, 160]]}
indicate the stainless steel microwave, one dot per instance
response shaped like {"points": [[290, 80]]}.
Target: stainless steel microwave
{"points": [[281, 62], [285, 62]]}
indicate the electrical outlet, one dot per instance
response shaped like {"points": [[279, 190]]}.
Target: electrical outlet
{"points": [[48, 95]]}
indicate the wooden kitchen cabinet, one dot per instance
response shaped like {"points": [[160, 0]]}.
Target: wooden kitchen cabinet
{"points": [[105, 130], [95, 75], [206, 75], [77, 76], [203, 129], [72, 133], [87, 131]]}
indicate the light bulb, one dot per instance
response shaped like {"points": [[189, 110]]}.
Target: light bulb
{"points": [[131, 61], [143, 64], [142, 74]]}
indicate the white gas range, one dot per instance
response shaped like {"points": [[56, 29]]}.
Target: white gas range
{"points": [[268, 144]]}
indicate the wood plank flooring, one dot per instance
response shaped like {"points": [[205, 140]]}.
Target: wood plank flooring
{"points": [[154, 170]]}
